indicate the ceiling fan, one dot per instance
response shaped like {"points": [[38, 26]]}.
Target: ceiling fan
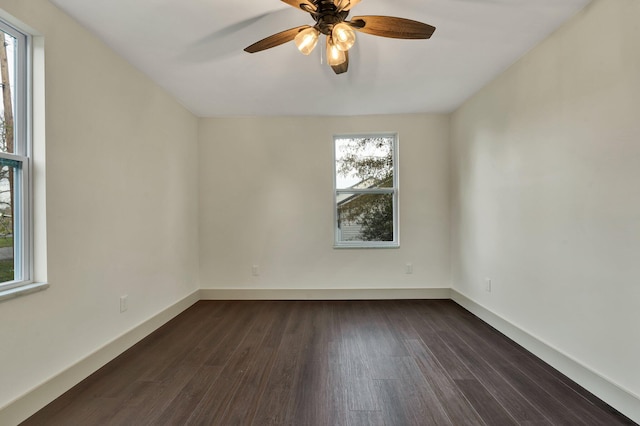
{"points": [[331, 20]]}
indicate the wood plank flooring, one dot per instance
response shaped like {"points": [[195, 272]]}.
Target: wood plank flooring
{"points": [[327, 363]]}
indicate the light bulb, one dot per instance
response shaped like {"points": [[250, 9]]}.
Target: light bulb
{"points": [[343, 36], [306, 40], [335, 56]]}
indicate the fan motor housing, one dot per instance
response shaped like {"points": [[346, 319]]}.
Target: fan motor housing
{"points": [[327, 16]]}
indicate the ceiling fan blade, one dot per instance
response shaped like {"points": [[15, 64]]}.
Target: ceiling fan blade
{"points": [[389, 26], [345, 4], [275, 39], [305, 5], [351, 4], [343, 67]]}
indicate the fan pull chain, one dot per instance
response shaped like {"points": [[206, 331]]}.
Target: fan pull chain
{"points": [[323, 54]]}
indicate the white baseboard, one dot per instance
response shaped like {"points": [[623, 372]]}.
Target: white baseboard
{"points": [[325, 294], [619, 398], [28, 404]]}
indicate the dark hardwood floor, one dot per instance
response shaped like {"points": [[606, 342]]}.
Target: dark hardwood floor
{"points": [[327, 363]]}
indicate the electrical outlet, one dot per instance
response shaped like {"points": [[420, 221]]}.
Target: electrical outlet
{"points": [[123, 303], [408, 268], [487, 284], [255, 270]]}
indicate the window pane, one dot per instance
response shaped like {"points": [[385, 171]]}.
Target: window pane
{"points": [[8, 51], [7, 197], [365, 217], [365, 162]]}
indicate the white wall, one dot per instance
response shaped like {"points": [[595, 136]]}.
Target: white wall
{"points": [[121, 205], [546, 171], [266, 198]]}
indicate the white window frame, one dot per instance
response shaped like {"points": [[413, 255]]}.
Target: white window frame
{"points": [[23, 212], [394, 191]]}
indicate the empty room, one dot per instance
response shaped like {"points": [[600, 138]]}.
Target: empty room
{"points": [[320, 212]]}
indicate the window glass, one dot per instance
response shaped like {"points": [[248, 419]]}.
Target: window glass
{"points": [[366, 195], [365, 217], [8, 88], [7, 180], [364, 162]]}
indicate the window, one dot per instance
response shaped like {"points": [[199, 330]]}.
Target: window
{"points": [[15, 215], [366, 191]]}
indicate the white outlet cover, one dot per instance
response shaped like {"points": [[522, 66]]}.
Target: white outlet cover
{"points": [[123, 303]]}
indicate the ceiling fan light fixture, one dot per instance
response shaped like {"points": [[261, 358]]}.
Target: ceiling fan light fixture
{"points": [[343, 36], [335, 56], [306, 40], [330, 17]]}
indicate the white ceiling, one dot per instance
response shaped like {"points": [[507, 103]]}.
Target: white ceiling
{"points": [[194, 49]]}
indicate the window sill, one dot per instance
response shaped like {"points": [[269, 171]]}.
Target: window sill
{"points": [[22, 290], [367, 246]]}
